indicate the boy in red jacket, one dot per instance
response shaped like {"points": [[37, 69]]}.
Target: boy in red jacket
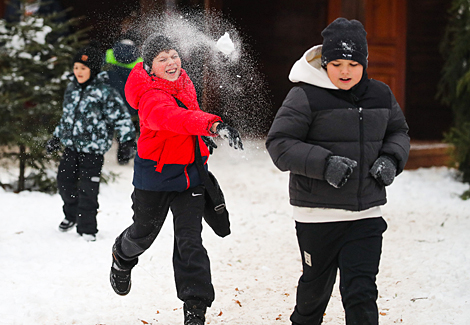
{"points": [[166, 177]]}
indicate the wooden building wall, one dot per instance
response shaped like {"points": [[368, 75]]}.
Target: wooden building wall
{"points": [[280, 32], [403, 36]]}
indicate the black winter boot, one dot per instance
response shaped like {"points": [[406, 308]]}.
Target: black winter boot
{"points": [[194, 312], [120, 276], [66, 225]]}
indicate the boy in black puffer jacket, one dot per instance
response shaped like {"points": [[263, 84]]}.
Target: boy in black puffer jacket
{"points": [[343, 137]]}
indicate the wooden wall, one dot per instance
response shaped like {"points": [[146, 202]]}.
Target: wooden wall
{"points": [[279, 32]]}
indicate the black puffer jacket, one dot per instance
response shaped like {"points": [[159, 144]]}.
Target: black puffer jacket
{"points": [[314, 123]]}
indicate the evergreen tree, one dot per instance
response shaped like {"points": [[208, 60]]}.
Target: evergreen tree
{"points": [[454, 87], [35, 58]]}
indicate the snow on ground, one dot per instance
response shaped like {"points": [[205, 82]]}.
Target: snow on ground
{"points": [[49, 277]]}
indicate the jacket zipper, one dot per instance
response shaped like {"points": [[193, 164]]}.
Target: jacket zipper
{"points": [[361, 157]]}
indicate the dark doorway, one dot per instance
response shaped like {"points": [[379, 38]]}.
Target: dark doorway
{"points": [[279, 32], [426, 116]]}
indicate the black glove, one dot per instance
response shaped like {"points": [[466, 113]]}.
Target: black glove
{"points": [[209, 143], [384, 170], [53, 145], [227, 132], [126, 151], [338, 169]]}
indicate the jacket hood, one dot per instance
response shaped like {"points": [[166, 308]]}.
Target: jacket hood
{"points": [[139, 82], [308, 69]]}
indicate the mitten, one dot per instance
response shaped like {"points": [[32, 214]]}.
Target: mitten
{"points": [[338, 169], [384, 170], [53, 145], [231, 134], [209, 143], [126, 151]]}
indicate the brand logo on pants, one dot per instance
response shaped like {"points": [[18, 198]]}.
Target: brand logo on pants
{"points": [[308, 258]]}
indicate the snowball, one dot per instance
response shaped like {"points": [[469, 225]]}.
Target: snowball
{"points": [[225, 44]]}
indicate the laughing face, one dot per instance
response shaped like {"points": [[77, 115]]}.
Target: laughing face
{"points": [[344, 74], [167, 65], [81, 72]]}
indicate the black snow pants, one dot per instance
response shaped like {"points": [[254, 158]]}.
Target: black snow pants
{"points": [[353, 247], [78, 181], [190, 260]]}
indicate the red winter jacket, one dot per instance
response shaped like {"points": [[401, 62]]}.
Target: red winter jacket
{"points": [[167, 130]]}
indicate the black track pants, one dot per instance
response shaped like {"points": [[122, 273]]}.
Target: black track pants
{"points": [[78, 181], [190, 261], [353, 247]]}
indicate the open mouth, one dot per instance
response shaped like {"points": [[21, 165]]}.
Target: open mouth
{"points": [[172, 71], [345, 79]]}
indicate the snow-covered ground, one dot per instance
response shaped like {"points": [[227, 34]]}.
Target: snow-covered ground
{"points": [[49, 277]]}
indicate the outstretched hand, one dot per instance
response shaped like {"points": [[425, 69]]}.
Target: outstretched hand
{"points": [[229, 133]]}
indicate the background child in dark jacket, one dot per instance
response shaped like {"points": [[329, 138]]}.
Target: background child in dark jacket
{"points": [[119, 61], [92, 112], [343, 137]]}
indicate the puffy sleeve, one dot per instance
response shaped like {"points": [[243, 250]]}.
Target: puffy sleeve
{"points": [[286, 141], [118, 117], [396, 141], [159, 111]]}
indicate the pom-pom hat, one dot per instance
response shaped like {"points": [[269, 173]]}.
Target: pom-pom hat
{"points": [[344, 39]]}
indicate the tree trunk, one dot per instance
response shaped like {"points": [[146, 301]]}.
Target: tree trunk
{"points": [[21, 179]]}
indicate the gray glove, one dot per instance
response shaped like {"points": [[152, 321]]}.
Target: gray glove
{"points": [[209, 143], [338, 169], [384, 170], [231, 134]]}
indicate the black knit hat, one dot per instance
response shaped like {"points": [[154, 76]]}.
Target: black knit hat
{"points": [[90, 56], [344, 39], [153, 45]]}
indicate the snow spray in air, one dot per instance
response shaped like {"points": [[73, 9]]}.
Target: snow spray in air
{"points": [[221, 66]]}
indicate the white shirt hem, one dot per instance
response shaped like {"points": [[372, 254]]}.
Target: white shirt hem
{"points": [[320, 215]]}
